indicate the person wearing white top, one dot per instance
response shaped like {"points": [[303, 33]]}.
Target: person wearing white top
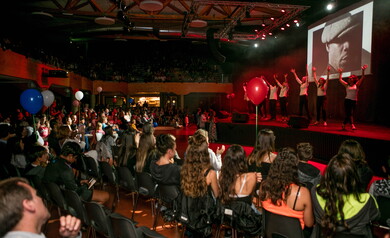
{"points": [[273, 96], [304, 85], [352, 88], [283, 96], [322, 86]]}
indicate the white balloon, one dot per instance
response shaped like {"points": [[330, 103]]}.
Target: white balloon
{"points": [[79, 95], [48, 97], [99, 89]]}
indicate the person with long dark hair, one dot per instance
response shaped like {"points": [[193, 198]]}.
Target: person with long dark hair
{"points": [[281, 193], [352, 87], [340, 205]]}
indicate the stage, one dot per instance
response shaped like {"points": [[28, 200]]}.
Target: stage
{"points": [[325, 140]]}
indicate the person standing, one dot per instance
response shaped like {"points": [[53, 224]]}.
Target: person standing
{"points": [[273, 97], [283, 96], [322, 86], [304, 85], [352, 88]]}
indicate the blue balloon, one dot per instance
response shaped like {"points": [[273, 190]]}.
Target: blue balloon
{"points": [[131, 100], [155, 124], [31, 100]]}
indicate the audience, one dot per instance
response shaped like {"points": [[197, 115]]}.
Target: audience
{"points": [[339, 202], [23, 212], [307, 173], [263, 155], [355, 150], [281, 192]]}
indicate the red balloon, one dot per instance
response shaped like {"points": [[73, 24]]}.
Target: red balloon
{"points": [[257, 90], [76, 103]]}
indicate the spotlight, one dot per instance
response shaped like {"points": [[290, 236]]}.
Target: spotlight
{"points": [[256, 45], [288, 25], [263, 24], [297, 24], [282, 28], [270, 33], [330, 6], [295, 21], [272, 18], [283, 10]]}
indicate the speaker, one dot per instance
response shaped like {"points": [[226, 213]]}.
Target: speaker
{"points": [[298, 122], [213, 45], [238, 117], [222, 114]]}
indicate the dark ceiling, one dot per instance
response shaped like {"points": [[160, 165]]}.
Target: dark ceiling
{"points": [[239, 22]]}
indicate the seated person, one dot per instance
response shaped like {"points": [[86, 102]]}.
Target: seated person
{"points": [[340, 204], [281, 193], [38, 156], [307, 173], [60, 171], [23, 212], [163, 168]]}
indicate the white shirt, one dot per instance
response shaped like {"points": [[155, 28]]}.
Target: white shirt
{"points": [[320, 91], [273, 92], [303, 88], [23, 234], [283, 91], [215, 160], [352, 92]]}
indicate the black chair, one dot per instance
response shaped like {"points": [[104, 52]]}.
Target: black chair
{"points": [[126, 181], [275, 225], [76, 206], [384, 209], [147, 189], [37, 183], [166, 203], [56, 196], [110, 177], [92, 168], [124, 228], [99, 219]]}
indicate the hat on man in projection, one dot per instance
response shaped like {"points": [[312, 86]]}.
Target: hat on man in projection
{"points": [[339, 27]]}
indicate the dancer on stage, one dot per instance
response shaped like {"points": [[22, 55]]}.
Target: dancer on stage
{"points": [[283, 96], [322, 86], [352, 88], [304, 85], [273, 97]]}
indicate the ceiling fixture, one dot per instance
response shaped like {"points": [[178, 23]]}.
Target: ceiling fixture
{"points": [[104, 21], [151, 5], [198, 23], [43, 15], [330, 5]]}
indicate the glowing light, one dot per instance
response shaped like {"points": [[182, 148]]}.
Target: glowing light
{"points": [[297, 24], [257, 88], [283, 10], [270, 33], [288, 25], [263, 24], [256, 45], [330, 6], [295, 21], [282, 28], [272, 18]]}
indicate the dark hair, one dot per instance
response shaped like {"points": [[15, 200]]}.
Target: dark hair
{"points": [[341, 178], [35, 152], [265, 144], [11, 199], [193, 181], [283, 172], [305, 151], [71, 147], [355, 150], [234, 165], [164, 142], [4, 130]]}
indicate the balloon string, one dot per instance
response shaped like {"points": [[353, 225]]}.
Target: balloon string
{"points": [[257, 112]]}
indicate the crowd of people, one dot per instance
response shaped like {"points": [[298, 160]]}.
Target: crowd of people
{"points": [[282, 180]]}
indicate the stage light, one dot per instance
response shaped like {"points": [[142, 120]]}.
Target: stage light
{"points": [[288, 25], [297, 24], [263, 24], [330, 6], [272, 18], [282, 28], [283, 10], [295, 21], [270, 33], [256, 45]]}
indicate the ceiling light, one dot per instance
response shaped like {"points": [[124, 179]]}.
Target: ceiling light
{"points": [[283, 10], [104, 21], [256, 45], [282, 28], [198, 23], [151, 5], [330, 6]]}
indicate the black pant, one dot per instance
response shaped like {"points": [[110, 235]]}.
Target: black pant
{"points": [[321, 105], [349, 106], [283, 106], [303, 102]]}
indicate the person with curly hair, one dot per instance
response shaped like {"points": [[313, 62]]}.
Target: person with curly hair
{"points": [[263, 155], [355, 150], [339, 203], [282, 194], [197, 176]]}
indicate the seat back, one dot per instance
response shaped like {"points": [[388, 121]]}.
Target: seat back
{"points": [[75, 205], [384, 209], [146, 185], [281, 226], [108, 172], [100, 221], [37, 183], [168, 193], [123, 227], [126, 179], [56, 195], [92, 167]]}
